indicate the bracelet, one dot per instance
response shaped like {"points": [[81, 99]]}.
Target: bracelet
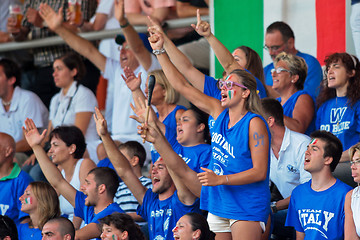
{"points": [[159, 51], [126, 24], [273, 207]]}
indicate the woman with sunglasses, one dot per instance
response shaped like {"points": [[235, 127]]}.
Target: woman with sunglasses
{"points": [[41, 202], [338, 100], [289, 76], [235, 187], [352, 200]]}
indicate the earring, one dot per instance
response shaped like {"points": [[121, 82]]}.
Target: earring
{"points": [[292, 81]]}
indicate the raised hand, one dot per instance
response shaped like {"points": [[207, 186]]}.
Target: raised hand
{"points": [[140, 110], [209, 178], [34, 17], [52, 19], [119, 12], [202, 27], [154, 26], [101, 125], [32, 134], [149, 132], [11, 26], [132, 82]]}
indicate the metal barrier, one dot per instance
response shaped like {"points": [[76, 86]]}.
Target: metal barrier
{"points": [[51, 41]]}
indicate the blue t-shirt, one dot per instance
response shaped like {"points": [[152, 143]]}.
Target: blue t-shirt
{"points": [[26, 233], [290, 105], [170, 123], [107, 163], [87, 212], [314, 74], [319, 214], [195, 156], [211, 89], [163, 215], [338, 117], [12, 188], [231, 155]]}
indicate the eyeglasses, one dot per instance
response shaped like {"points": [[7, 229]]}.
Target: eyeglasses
{"points": [[127, 47], [229, 85], [273, 48], [279, 70], [355, 163]]}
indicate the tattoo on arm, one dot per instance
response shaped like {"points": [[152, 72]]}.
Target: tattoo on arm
{"points": [[259, 139]]}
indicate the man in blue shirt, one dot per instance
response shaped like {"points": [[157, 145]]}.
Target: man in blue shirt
{"points": [[164, 204], [279, 38], [316, 208], [95, 200], [13, 181]]}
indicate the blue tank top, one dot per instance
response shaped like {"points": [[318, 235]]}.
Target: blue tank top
{"points": [[230, 155]]}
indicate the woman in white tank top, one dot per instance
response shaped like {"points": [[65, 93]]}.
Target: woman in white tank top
{"points": [[67, 149], [352, 201]]}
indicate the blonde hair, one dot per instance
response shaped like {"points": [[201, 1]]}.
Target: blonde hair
{"points": [[48, 202], [171, 96], [297, 66], [253, 103], [353, 149]]}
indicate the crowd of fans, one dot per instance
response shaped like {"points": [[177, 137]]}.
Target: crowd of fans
{"points": [[247, 156]]}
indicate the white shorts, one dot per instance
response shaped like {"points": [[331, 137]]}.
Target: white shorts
{"points": [[220, 224]]}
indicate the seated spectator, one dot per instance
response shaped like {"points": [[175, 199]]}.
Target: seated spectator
{"points": [[8, 230], [168, 195], [13, 181], [96, 197], [41, 202], [59, 228], [338, 101], [120, 226], [352, 200], [279, 37], [287, 156], [17, 104], [193, 226], [133, 54], [288, 81], [66, 151], [316, 208]]}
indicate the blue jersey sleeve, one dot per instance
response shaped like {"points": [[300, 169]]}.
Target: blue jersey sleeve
{"points": [[210, 87]]}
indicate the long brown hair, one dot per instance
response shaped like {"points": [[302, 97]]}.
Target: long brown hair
{"points": [[350, 63]]}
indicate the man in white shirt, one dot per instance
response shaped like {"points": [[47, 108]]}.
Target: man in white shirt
{"points": [[287, 163]]}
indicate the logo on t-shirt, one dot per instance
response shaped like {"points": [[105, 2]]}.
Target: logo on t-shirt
{"points": [[317, 220]]}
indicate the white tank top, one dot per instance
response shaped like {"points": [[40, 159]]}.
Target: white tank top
{"points": [[65, 206], [355, 207]]}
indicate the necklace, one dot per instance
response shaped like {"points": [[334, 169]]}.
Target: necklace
{"points": [[5, 103]]}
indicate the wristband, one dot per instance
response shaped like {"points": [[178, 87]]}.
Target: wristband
{"points": [[273, 207], [159, 51], [125, 25]]}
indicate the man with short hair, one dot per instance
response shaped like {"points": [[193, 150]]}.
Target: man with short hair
{"points": [[8, 229], [279, 38], [287, 156], [95, 200], [17, 104], [169, 198], [13, 181], [316, 208], [59, 228]]}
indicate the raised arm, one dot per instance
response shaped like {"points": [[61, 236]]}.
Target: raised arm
{"points": [[79, 44], [224, 56], [166, 152], [259, 148], [303, 114], [131, 36], [50, 171], [205, 103], [120, 163], [181, 62], [185, 9]]}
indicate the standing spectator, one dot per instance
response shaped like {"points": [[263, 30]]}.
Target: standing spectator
{"points": [[355, 24], [279, 38], [316, 208], [39, 79], [338, 101], [17, 104], [13, 181]]}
